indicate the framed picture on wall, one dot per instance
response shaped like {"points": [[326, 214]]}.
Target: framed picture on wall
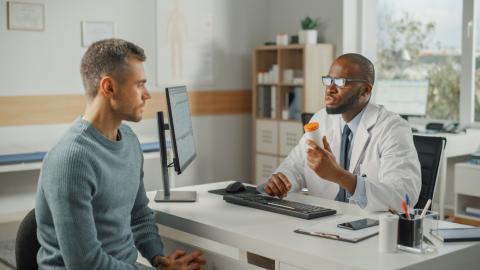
{"points": [[94, 31], [25, 16]]}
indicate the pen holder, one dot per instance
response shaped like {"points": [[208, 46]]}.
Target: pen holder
{"points": [[410, 231]]}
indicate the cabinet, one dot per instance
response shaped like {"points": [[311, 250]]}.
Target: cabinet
{"points": [[467, 191], [286, 82]]}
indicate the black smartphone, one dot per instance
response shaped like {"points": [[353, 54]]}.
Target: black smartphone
{"points": [[358, 224]]}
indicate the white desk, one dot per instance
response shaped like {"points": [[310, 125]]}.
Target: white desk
{"points": [[238, 229]]}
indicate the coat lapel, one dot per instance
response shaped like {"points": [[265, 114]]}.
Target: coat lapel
{"points": [[362, 136]]}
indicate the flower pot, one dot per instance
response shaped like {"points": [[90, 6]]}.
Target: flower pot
{"points": [[307, 36]]}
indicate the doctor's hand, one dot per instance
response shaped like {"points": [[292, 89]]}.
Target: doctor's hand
{"points": [[180, 260], [278, 185], [324, 164]]}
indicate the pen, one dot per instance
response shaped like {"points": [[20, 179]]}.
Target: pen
{"points": [[405, 209], [407, 200], [328, 235], [424, 211]]}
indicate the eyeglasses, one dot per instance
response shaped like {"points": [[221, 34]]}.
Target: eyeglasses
{"points": [[339, 82]]}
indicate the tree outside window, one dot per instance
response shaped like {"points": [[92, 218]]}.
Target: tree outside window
{"points": [[410, 47]]}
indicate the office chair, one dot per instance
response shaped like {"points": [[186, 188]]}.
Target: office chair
{"points": [[430, 151], [306, 118], [26, 245]]}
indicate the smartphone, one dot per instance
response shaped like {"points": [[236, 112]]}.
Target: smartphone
{"points": [[358, 224]]}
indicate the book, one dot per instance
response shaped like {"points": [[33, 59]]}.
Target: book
{"points": [[267, 102], [457, 234], [260, 101], [472, 211], [273, 102]]}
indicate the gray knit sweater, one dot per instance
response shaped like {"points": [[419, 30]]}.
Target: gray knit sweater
{"points": [[91, 206]]}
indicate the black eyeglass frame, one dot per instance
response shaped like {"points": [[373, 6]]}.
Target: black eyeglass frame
{"points": [[343, 80]]}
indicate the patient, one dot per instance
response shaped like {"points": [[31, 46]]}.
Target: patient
{"points": [[91, 207]]}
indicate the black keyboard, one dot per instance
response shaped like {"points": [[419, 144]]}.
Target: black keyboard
{"points": [[279, 206]]}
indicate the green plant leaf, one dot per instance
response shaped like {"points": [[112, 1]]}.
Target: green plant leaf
{"points": [[309, 23]]}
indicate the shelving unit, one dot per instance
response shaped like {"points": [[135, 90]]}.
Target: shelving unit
{"points": [[277, 103], [467, 189]]}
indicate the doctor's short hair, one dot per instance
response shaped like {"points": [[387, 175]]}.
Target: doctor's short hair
{"points": [[108, 57], [366, 66]]}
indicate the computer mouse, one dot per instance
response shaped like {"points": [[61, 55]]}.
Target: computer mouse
{"points": [[235, 187]]}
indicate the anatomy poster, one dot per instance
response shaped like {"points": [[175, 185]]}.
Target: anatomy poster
{"points": [[184, 42]]}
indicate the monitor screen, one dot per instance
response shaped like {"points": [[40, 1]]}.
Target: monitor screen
{"points": [[180, 127], [405, 97]]}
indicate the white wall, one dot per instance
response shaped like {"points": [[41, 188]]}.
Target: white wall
{"points": [[40, 63], [47, 63], [284, 16], [43, 63]]}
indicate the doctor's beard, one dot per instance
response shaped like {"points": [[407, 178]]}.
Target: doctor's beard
{"points": [[348, 105]]}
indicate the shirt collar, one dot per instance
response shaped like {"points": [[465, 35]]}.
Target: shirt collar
{"points": [[353, 124]]}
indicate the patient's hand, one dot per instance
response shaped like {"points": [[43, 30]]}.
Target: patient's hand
{"points": [[278, 185]]}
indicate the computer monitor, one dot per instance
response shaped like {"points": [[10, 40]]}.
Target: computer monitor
{"points": [[181, 129], [182, 141], [405, 97]]}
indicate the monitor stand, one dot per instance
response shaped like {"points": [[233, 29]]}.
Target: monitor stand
{"points": [[166, 195], [176, 196]]}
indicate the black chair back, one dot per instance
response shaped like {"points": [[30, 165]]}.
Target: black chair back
{"points": [[26, 245], [429, 150]]}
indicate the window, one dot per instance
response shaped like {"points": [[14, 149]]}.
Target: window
{"points": [[421, 40]]}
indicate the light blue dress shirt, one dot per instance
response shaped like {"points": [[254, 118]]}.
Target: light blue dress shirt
{"points": [[359, 197]]}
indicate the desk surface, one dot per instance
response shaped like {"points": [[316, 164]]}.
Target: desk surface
{"points": [[271, 235]]}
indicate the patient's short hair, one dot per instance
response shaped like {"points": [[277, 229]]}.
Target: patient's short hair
{"points": [[108, 57]]}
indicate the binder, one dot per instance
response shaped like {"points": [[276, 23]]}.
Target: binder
{"points": [[457, 234], [328, 229]]}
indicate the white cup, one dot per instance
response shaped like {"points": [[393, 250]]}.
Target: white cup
{"points": [[387, 235]]}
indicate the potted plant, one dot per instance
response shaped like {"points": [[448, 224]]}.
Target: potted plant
{"points": [[309, 33]]}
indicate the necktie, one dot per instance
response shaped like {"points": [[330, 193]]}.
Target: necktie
{"points": [[344, 160]]}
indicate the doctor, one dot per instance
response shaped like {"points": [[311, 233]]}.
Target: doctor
{"points": [[367, 156]]}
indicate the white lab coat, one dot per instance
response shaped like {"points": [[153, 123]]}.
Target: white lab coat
{"points": [[383, 152]]}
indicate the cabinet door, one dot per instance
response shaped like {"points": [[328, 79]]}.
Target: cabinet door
{"points": [[286, 266], [264, 167], [290, 134], [267, 137], [467, 179]]}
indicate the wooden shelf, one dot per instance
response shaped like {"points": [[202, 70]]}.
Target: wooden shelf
{"points": [[291, 84], [274, 137], [282, 47], [267, 84]]}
